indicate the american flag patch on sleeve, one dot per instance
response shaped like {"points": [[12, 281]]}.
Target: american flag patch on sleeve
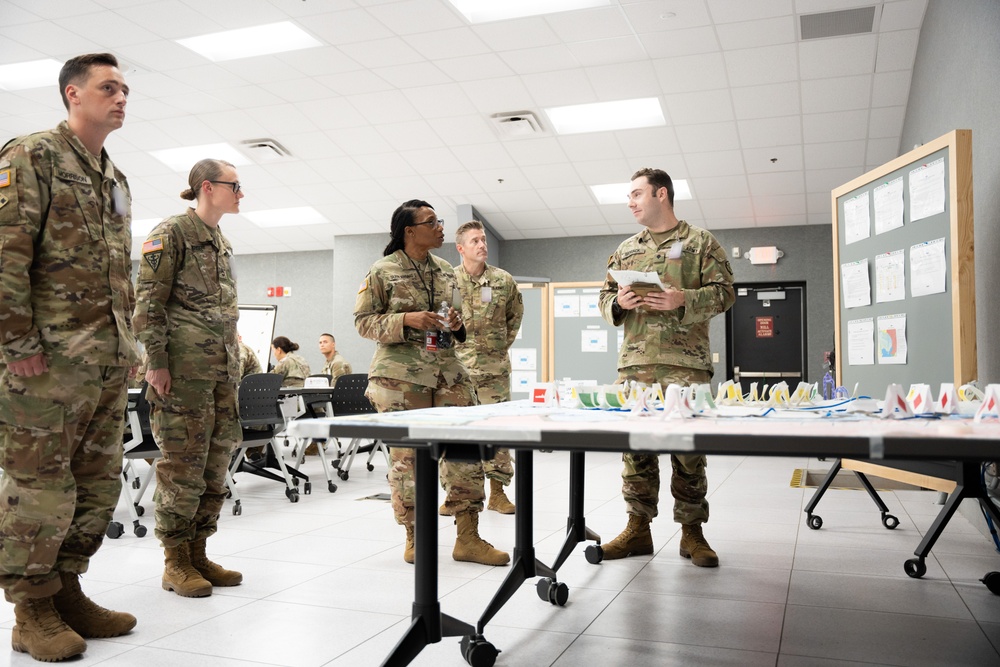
{"points": [[152, 245]]}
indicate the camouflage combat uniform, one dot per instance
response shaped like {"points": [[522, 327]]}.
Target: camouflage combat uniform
{"points": [[336, 367], [249, 364], [492, 309], [294, 368], [65, 291], [186, 316], [405, 376], [669, 346]]}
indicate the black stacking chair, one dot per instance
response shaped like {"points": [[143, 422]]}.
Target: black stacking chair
{"points": [[349, 399], [138, 443]]}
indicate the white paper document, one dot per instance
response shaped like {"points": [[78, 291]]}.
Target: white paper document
{"points": [[861, 342], [857, 219], [888, 199], [589, 306], [892, 339], [623, 277], [927, 190], [927, 268], [855, 284], [523, 359], [889, 277], [567, 305], [594, 340]]}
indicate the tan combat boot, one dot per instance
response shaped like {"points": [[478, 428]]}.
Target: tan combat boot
{"points": [[444, 510], [472, 548], [40, 632], [87, 618], [408, 549], [499, 502], [180, 576], [695, 547], [213, 573], [635, 540]]}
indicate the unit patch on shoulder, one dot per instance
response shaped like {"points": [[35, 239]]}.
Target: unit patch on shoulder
{"points": [[364, 286], [151, 252], [5, 178]]}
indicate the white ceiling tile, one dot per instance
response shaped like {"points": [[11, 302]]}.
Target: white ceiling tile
{"points": [[158, 56], [474, 68], [897, 50], [359, 140], [719, 163], [198, 103], [886, 122], [719, 187], [891, 89], [317, 193], [838, 56], [837, 126], [409, 135], [453, 183], [577, 218], [262, 69], [207, 77], [14, 15], [544, 233], [731, 11], [500, 94], [354, 83], [708, 137], [298, 90], [540, 59], [780, 220], [647, 141], [534, 219], [108, 28], [382, 52], [516, 34], [750, 34], [404, 188], [137, 164], [566, 196], [452, 43], [781, 183], [785, 158], [597, 172], [415, 16], [778, 205], [657, 15], [586, 146], [814, 6], [762, 65], [818, 202], [836, 154], [15, 52], [765, 132], [902, 15], [624, 81], [483, 156], [818, 219], [440, 101], [687, 73], [386, 107], [881, 151], [825, 180], [412, 75], [536, 151], [608, 51], [733, 207], [232, 14], [676, 43], [730, 223], [170, 19], [346, 27], [275, 118], [710, 106], [587, 24], [840, 94], [463, 130], [246, 97], [384, 165], [332, 113], [544, 176], [560, 88], [341, 168], [319, 61]]}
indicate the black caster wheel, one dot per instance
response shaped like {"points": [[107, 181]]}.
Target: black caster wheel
{"points": [[292, 495], [307, 488], [343, 474], [370, 467], [915, 568], [115, 530], [889, 521], [140, 510], [992, 581], [814, 522], [554, 592], [331, 487], [336, 464], [237, 509], [478, 652], [140, 531], [594, 554], [295, 481], [136, 484]]}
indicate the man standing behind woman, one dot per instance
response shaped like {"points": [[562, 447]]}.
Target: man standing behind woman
{"points": [[396, 307], [492, 309], [185, 315]]}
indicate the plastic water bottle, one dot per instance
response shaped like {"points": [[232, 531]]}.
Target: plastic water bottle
{"points": [[444, 335]]}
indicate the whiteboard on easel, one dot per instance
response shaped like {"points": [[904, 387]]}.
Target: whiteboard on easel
{"points": [[256, 327]]}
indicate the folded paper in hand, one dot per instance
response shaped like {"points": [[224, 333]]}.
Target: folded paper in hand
{"points": [[642, 282]]}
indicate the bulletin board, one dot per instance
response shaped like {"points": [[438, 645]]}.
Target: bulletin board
{"points": [[584, 346], [529, 353], [907, 229], [256, 326]]}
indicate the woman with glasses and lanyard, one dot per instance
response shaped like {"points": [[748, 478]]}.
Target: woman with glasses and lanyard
{"points": [[416, 367], [185, 315]]}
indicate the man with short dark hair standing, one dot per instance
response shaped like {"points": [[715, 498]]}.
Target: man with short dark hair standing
{"points": [[666, 341], [66, 350]]}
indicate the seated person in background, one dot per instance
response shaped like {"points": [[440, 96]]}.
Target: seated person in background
{"points": [[249, 364], [290, 365], [335, 365]]}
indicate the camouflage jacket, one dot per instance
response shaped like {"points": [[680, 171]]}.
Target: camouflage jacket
{"points": [[249, 363], [393, 287], [294, 368], [186, 308], [491, 323], [676, 337], [336, 367], [65, 267]]}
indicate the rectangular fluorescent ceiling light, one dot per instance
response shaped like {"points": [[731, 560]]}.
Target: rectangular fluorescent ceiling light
{"points": [[286, 217], [182, 159], [484, 11], [605, 116], [617, 193], [33, 74], [247, 42]]}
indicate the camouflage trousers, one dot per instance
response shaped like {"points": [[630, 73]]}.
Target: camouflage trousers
{"points": [[462, 481], [641, 476], [61, 452], [197, 427], [495, 389]]}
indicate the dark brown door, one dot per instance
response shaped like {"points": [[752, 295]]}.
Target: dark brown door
{"points": [[766, 334]]}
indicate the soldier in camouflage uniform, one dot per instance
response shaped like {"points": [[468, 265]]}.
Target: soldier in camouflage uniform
{"points": [[396, 306], [292, 366], [335, 365], [249, 363], [666, 341], [66, 352], [185, 315], [492, 309]]}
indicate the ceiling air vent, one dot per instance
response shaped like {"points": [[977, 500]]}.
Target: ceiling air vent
{"points": [[516, 124], [265, 150], [858, 21]]}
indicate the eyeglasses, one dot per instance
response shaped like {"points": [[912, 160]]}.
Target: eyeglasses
{"points": [[439, 222], [236, 185]]}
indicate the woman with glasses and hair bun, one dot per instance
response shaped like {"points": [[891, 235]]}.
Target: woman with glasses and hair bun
{"points": [[185, 315], [416, 367]]}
